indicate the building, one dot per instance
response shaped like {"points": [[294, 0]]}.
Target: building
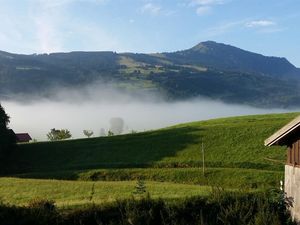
{"points": [[289, 136], [23, 137], [20, 137]]}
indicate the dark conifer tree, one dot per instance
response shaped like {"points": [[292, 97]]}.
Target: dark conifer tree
{"points": [[140, 187], [4, 118], [7, 139]]}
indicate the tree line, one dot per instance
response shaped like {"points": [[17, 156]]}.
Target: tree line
{"points": [[116, 128]]}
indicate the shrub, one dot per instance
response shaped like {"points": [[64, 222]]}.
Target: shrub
{"points": [[140, 187], [222, 208], [38, 212], [42, 204], [144, 211]]}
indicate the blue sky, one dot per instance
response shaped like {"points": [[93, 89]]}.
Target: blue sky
{"points": [[270, 27]]}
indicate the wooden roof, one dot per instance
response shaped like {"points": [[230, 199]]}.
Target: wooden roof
{"points": [[279, 136], [23, 137]]}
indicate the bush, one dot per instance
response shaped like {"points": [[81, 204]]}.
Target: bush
{"points": [[39, 212], [42, 204], [221, 208], [145, 211]]}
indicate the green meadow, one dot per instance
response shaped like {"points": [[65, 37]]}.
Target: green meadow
{"points": [[75, 193], [169, 160]]}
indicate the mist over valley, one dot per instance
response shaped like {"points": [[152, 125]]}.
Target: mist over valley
{"points": [[92, 107], [84, 90], [209, 69]]}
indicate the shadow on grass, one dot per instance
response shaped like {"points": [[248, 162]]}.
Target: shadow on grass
{"points": [[124, 151]]}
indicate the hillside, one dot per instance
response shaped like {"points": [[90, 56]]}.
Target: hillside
{"points": [[229, 58], [209, 69], [234, 154]]}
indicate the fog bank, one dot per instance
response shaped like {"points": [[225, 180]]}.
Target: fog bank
{"points": [[37, 118]]}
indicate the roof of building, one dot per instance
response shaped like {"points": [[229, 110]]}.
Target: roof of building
{"points": [[23, 137], [282, 133]]}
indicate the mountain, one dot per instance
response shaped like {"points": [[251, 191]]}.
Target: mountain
{"points": [[209, 69], [226, 57]]}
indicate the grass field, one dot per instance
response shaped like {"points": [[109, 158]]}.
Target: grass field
{"points": [[169, 159], [73, 193], [235, 142], [221, 177]]}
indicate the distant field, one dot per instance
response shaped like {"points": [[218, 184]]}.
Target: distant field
{"points": [[76, 193]]}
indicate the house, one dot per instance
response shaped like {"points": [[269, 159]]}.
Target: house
{"points": [[20, 137], [23, 137], [289, 136]]}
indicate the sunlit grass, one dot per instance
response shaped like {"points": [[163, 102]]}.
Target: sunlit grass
{"points": [[236, 142], [71, 193], [235, 157]]}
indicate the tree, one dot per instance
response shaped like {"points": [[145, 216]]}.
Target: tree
{"points": [[55, 135], [7, 138], [4, 118], [110, 133], [102, 132], [116, 125], [140, 187], [88, 133]]}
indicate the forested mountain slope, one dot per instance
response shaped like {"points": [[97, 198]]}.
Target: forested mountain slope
{"points": [[209, 69]]}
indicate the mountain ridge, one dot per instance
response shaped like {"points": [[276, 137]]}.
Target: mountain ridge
{"points": [[100, 51], [239, 59], [210, 69]]}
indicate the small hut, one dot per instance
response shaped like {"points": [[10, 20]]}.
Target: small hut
{"points": [[23, 138], [20, 137], [289, 136]]}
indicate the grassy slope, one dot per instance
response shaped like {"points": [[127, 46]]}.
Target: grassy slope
{"points": [[235, 142], [221, 177], [235, 158]]}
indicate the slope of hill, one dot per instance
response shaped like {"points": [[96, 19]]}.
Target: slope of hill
{"points": [[209, 69], [234, 154], [229, 58]]}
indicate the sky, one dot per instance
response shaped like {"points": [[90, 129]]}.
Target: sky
{"points": [[269, 27]]}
